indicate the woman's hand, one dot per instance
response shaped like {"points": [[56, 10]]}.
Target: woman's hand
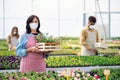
{"points": [[33, 49], [13, 48]]}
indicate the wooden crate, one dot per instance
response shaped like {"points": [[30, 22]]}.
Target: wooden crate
{"points": [[49, 46]]}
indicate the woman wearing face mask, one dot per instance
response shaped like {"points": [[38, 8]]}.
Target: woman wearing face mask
{"points": [[88, 38], [12, 38], [32, 57]]}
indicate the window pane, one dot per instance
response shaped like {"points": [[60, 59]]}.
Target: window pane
{"points": [[16, 14], [56, 18], [90, 5], [115, 22], [1, 19], [47, 10], [102, 26], [115, 5], [102, 4], [17, 8], [71, 17]]}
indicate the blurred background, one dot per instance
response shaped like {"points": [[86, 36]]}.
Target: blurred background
{"points": [[61, 17]]}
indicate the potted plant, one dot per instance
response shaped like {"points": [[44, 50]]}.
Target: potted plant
{"points": [[47, 43]]}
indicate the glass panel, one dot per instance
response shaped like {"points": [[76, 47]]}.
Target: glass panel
{"points": [[102, 4], [90, 6], [115, 5], [19, 22], [1, 19], [71, 17], [47, 10], [102, 26], [16, 14], [115, 22], [72, 27], [17, 8], [58, 15]]}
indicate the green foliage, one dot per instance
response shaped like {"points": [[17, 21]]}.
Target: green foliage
{"points": [[66, 51], [114, 47], [41, 38], [64, 61], [69, 42], [116, 38], [114, 73], [50, 75], [109, 51], [67, 61], [12, 62], [9, 62], [3, 44], [7, 53], [4, 48], [68, 38], [69, 45]]}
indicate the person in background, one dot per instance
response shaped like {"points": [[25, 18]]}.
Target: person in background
{"points": [[88, 38], [32, 57], [12, 38]]}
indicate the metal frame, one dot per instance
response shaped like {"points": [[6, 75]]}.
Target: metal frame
{"points": [[109, 19], [59, 22], [110, 12], [84, 14], [32, 6], [59, 10], [3, 18], [103, 12]]}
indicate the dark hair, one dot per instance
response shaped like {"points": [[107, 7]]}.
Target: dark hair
{"points": [[92, 19], [15, 27], [29, 20]]}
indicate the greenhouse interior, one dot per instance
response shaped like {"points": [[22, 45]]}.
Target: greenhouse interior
{"points": [[59, 40]]}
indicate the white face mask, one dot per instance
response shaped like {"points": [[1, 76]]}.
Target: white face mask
{"points": [[91, 27], [14, 33], [33, 25]]}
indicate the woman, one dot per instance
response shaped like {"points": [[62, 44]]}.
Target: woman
{"points": [[12, 38], [32, 57]]}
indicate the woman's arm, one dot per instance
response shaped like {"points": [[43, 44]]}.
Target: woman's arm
{"points": [[9, 42], [32, 49], [20, 47]]}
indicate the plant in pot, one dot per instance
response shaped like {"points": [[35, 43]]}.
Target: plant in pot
{"points": [[47, 43]]}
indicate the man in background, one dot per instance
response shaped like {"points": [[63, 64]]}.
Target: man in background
{"points": [[88, 38]]}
